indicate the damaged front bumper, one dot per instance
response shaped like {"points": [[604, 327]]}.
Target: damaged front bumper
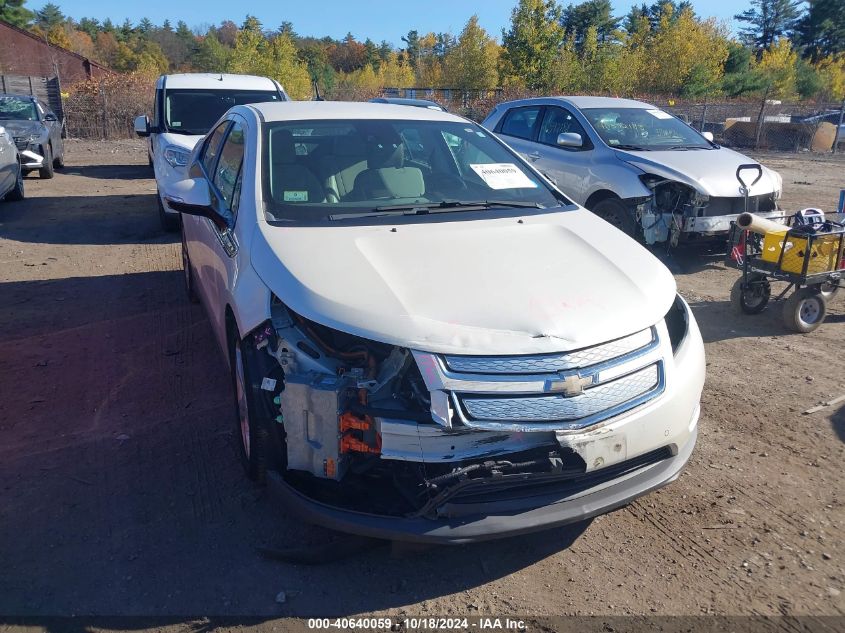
{"points": [[31, 159], [581, 499]]}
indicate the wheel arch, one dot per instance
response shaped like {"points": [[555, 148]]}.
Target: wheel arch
{"points": [[598, 196]]}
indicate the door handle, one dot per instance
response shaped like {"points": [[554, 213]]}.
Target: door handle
{"points": [[535, 156]]}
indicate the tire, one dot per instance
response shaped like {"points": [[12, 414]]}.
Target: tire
{"points": [[190, 285], [169, 222], [830, 289], [754, 297], [17, 192], [47, 171], [251, 438], [805, 310], [612, 210], [59, 161]]}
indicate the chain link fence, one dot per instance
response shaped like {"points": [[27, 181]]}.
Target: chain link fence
{"points": [[106, 109]]}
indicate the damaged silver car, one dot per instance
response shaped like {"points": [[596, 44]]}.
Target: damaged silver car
{"points": [[37, 133], [643, 170]]}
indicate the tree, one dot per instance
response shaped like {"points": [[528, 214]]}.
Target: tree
{"points": [[13, 12], [227, 32], [48, 16], [145, 26], [740, 77], [412, 40], [473, 62], [211, 55], [91, 26], [685, 55], [768, 20], [777, 68], [532, 42], [578, 18], [822, 29]]}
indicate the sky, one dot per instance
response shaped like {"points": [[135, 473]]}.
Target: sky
{"points": [[377, 19]]}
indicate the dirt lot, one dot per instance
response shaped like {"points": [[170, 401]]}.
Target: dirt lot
{"points": [[120, 493]]}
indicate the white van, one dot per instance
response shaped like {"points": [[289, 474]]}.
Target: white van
{"points": [[186, 106]]}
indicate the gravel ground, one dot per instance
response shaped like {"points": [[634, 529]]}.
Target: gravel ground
{"points": [[120, 492]]}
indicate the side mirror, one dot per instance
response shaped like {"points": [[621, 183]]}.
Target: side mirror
{"points": [[708, 136], [191, 197], [570, 139], [50, 117], [142, 125]]}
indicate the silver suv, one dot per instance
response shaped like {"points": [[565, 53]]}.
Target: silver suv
{"points": [[640, 168]]}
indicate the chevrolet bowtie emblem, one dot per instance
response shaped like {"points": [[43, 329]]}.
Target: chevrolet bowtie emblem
{"points": [[572, 385]]}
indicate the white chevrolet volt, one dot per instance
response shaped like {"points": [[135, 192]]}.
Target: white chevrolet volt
{"points": [[427, 340]]}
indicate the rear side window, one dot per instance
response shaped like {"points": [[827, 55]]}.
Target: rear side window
{"points": [[227, 175], [212, 147], [520, 122]]}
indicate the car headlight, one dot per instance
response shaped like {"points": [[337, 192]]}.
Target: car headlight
{"points": [[677, 322], [176, 156]]}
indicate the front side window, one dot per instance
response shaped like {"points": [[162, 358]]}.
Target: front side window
{"points": [[643, 129], [558, 121], [519, 122], [228, 171], [195, 111], [315, 170], [17, 109], [212, 146]]}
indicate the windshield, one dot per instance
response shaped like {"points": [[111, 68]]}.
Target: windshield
{"points": [[17, 109], [195, 111], [314, 170], [643, 129]]}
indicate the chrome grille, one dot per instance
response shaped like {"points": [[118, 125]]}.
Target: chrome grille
{"points": [[547, 408], [545, 392], [549, 363]]}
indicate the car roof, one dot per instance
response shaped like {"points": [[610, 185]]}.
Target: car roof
{"points": [[582, 102], [224, 81], [314, 110], [420, 103], [17, 96]]}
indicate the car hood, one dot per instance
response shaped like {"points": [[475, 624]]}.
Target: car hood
{"points": [[552, 282], [22, 128], [185, 141], [712, 172]]}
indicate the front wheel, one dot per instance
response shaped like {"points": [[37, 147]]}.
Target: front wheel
{"points": [[169, 221], [190, 285], [17, 192], [47, 170], [805, 310], [753, 296], [614, 212], [252, 439]]}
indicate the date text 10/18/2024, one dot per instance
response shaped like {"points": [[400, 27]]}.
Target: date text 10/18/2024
{"points": [[411, 624]]}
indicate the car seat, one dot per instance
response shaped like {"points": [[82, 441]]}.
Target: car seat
{"points": [[386, 177], [290, 181]]}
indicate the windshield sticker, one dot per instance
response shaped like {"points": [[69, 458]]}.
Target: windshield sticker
{"points": [[503, 176], [659, 114], [176, 123], [296, 196]]}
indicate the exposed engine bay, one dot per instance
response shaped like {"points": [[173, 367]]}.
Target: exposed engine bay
{"points": [[354, 427], [677, 212]]}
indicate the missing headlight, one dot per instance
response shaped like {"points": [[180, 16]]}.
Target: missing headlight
{"points": [[677, 322]]}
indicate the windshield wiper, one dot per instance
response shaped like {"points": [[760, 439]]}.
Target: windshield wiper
{"points": [[674, 147], [447, 206], [633, 148], [421, 209]]}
